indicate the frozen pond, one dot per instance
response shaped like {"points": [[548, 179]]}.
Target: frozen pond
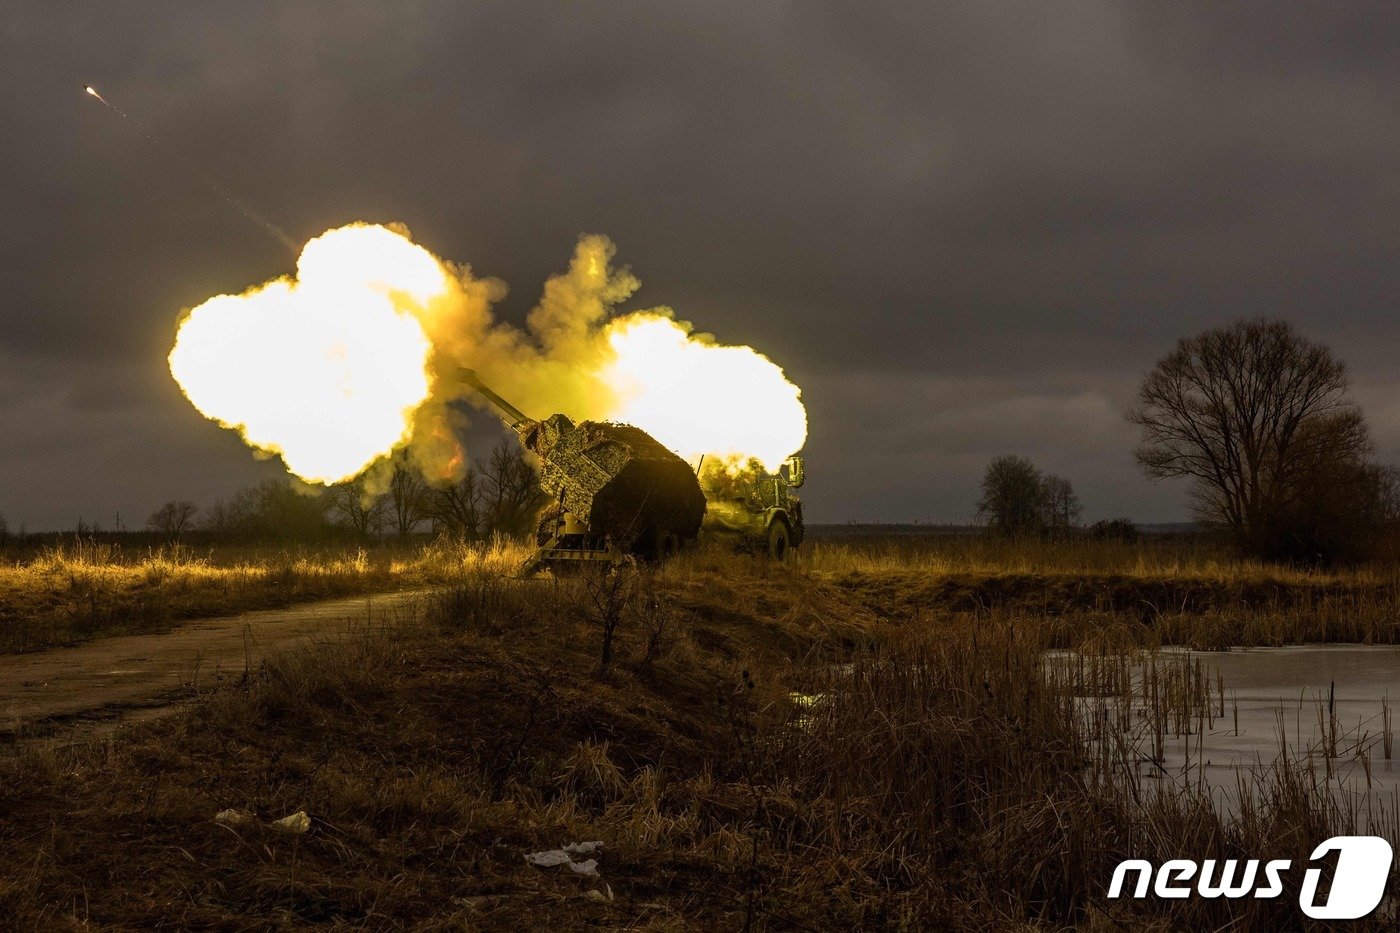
{"points": [[1209, 719]]}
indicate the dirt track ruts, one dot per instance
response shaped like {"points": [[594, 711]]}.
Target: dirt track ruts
{"points": [[141, 676]]}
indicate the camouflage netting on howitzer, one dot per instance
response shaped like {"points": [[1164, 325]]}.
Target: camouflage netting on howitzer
{"points": [[619, 479]]}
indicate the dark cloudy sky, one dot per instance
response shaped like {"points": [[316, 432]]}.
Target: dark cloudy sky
{"points": [[963, 229]]}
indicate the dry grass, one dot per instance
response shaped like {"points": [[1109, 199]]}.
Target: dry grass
{"points": [[1153, 557], [431, 757], [939, 777], [1159, 591], [84, 589], [1176, 591]]}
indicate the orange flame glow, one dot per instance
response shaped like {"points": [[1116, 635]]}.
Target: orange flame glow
{"points": [[333, 369], [701, 398], [325, 369]]}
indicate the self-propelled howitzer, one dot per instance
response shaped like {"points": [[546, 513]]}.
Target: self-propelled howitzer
{"points": [[615, 490]]}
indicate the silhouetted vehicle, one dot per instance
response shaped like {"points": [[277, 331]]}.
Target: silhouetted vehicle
{"points": [[616, 492]]}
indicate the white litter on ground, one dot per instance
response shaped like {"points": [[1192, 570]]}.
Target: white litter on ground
{"points": [[548, 858], [294, 825], [552, 858], [233, 817]]}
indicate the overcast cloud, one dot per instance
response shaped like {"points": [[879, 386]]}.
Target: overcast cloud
{"points": [[963, 229]]}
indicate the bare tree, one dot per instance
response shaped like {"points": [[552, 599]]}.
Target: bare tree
{"points": [[219, 519], [361, 510], [1334, 508], [657, 616], [1061, 505], [174, 518], [407, 499], [1013, 497], [274, 510], [4, 529], [457, 507], [606, 599], [512, 494], [1256, 415]]}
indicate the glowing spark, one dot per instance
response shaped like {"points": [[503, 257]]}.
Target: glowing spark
{"points": [[214, 186]]}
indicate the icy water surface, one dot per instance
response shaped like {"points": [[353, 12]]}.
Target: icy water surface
{"points": [[1216, 719]]}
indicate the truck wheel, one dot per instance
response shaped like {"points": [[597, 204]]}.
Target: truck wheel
{"points": [[778, 541], [657, 546]]}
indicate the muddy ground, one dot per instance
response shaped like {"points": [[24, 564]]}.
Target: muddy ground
{"points": [[109, 682]]}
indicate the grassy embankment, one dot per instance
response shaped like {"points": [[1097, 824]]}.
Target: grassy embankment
{"points": [[943, 779], [1188, 592], [1158, 591], [82, 589]]}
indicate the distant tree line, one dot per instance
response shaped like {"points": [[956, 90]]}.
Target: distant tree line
{"points": [[501, 496], [1261, 421], [1018, 500]]}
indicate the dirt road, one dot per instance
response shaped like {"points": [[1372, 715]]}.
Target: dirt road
{"points": [[110, 681]]}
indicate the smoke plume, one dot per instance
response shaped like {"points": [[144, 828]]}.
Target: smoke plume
{"points": [[356, 356]]}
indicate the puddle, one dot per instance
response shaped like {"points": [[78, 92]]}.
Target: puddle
{"points": [[1209, 719]]}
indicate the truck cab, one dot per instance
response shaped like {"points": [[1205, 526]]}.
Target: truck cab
{"points": [[752, 508]]}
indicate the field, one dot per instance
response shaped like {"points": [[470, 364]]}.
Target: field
{"points": [[869, 737], [80, 588]]}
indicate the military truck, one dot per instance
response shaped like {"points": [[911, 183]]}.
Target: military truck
{"points": [[616, 492], [751, 508]]}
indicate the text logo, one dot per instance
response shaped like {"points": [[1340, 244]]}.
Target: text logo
{"points": [[1363, 865]]}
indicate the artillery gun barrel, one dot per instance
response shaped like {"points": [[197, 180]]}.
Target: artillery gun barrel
{"points": [[617, 480], [514, 415]]}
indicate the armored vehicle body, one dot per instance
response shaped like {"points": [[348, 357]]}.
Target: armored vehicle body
{"points": [[614, 489]]}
